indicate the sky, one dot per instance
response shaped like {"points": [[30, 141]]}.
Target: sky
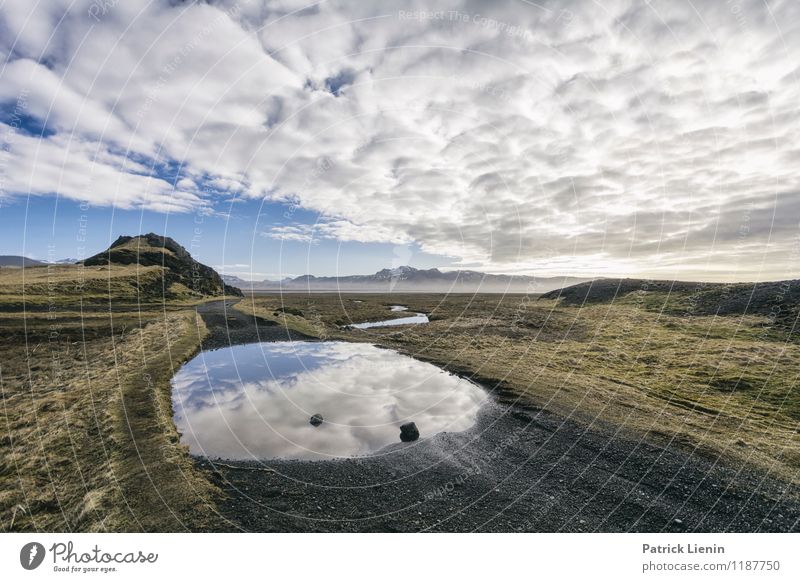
{"points": [[275, 138]]}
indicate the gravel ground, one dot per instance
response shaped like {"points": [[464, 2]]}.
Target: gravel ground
{"points": [[229, 327], [515, 470]]}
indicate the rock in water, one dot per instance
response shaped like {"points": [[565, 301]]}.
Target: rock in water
{"points": [[409, 432], [316, 420]]}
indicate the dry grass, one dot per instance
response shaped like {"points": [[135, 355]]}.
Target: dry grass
{"points": [[140, 245], [65, 287], [88, 442], [725, 386]]}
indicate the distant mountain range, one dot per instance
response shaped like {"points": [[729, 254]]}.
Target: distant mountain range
{"points": [[410, 280], [19, 261], [151, 249]]}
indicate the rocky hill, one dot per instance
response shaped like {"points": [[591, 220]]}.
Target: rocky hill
{"points": [[181, 274]]}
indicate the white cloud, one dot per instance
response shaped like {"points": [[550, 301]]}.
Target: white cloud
{"points": [[223, 268], [626, 137], [301, 233]]}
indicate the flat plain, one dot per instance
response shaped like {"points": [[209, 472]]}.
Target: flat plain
{"points": [[88, 443]]}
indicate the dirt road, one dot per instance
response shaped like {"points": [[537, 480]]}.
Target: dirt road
{"points": [[230, 326]]}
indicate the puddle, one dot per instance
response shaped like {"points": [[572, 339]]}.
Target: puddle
{"points": [[413, 319], [398, 308], [255, 401]]}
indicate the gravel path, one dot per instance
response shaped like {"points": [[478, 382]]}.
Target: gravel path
{"points": [[229, 327], [515, 470]]}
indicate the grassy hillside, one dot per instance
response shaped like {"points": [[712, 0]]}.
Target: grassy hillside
{"points": [[134, 270], [56, 286], [180, 272], [777, 300]]}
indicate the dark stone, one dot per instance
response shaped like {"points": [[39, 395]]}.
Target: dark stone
{"points": [[409, 432], [316, 420]]}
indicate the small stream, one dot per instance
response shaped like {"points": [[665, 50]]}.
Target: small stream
{"points": [[417, 318], [413, 319]]}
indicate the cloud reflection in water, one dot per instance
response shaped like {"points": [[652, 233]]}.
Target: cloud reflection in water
{"points": [[254, 401]]}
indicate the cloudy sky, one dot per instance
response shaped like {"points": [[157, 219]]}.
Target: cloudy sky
{"points": [[657, 138]]}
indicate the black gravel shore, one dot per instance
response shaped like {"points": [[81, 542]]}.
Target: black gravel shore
{"points": [[515, 470]]}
